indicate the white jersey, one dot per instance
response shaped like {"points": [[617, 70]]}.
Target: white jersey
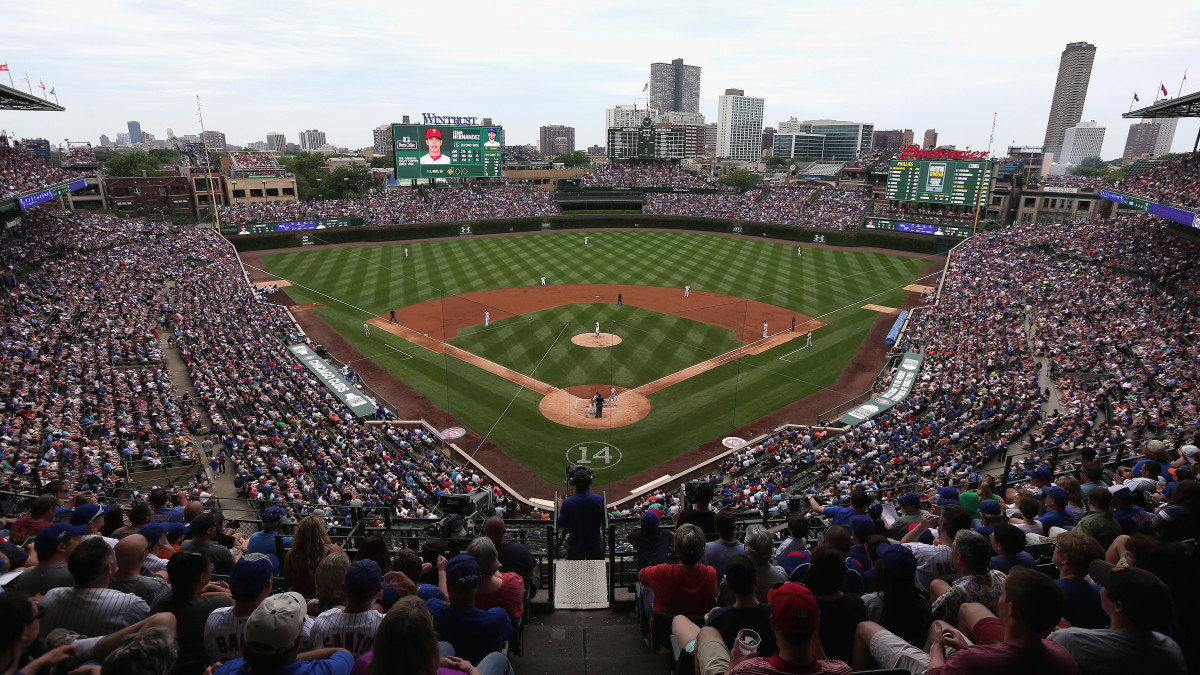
{"points": [[91, 612], [223, 635], [352, 632], [934, 561]]}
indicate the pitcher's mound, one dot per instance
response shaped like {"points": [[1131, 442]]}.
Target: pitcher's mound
{"points": [[571, 407], [590, 340]]}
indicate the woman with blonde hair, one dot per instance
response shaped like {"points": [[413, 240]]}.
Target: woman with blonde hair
{"points": [[328, 580], [310, 544], [1075, 505], [406, 642]]}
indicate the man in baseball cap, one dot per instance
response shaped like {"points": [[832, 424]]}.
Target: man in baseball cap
{"points": [[1136, 602], [474, 633], [250, 584], [1056, 510], [270, 541], [910, 514], [794, 619], [433, 139], [53, 545], [272, 640]]}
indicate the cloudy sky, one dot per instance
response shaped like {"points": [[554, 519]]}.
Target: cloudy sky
{"points": [[345, 68]]}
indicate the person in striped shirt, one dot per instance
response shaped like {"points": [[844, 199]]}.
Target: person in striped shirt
{"points": [[90, 608], [250, 583], [354, 627]]}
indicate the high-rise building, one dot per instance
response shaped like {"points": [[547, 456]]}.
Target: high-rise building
{"points": [[123, 138], [739, 126], [768, 138], [1140, 141], [170, 133], [789, 126], [627, 116], [1081, 141], [311, 139], [694, 129], [1166, 134], [824, 139], [1070, 90], [135, 132], [214, 140], [930, 141], [103, 140], [674, 87], [382, 147], [556, 139], [276, 142], [906, 137], [889, 140]]}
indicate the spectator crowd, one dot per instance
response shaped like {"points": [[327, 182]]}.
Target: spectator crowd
{"points": [[22, 172], [1174, 183]]}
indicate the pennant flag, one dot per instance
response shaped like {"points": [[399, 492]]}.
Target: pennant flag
{"points": [[52, 91], [645, 86], [41, 85], [25, 79], [1164, 89], [1136, 98], [3, 66]]}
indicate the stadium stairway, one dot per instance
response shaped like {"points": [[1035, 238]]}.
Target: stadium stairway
{"points": [[586, 642]]}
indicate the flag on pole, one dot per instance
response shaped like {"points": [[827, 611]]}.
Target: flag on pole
{"points": [[3, 66], [645, 86], [52, 92], [1135, 96], [43, 86], [1163, 87]]}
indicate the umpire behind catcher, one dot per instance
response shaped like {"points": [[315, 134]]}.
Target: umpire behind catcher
{"points": [[581, 518]]}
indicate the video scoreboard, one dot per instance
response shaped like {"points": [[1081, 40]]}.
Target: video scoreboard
{"points": [[445, 151], [937, 182]]}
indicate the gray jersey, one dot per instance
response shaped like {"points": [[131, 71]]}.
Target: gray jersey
{"points": [[148, 588], [352, 632], [223, 635]]}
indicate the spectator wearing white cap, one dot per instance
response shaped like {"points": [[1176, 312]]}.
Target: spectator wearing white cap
{"points": [[272, 643]]}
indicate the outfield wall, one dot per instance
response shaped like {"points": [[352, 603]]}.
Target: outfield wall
{"points": [[853, 238]]}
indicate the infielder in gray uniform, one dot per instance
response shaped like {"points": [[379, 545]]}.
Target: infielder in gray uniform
{"points": [[597, 330]]}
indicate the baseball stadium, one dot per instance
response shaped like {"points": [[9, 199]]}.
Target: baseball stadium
{"points": [[579, 402]]}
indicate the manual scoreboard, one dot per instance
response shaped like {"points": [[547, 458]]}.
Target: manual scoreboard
{"points": [[938, 182], [444, 151]]}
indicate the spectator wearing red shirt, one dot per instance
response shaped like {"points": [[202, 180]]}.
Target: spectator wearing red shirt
{"points": [[688, 588]]}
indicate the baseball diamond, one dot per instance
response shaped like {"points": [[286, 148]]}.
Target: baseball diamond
{"points": [[699, 362]]}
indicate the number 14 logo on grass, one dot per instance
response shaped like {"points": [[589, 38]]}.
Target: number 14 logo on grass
{"points": [[595, 454]]}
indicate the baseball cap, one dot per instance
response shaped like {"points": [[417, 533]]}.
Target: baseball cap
{"points": [[491, 131], [948, 493], [176, 530], [364, 578], [650, 520], [1175, 523], [251, 573], [275, 624], [153, 531], [1191, 453], [462, 572], [1059, 496], [53, 534], [794, 609], [897, 559], [910, 498], [875, 510], [1156, 446], [274, 514], [1042, 473], [430, 133], [862, 528], [1145, 599], [87, 513], [989, 507], [1121, 492]]}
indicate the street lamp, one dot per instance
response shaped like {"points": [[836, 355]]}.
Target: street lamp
{"points": [[264, 191], [235, 197], [295, 197], [345, 186], [319, 194]]}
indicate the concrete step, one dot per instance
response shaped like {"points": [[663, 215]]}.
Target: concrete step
{"points": [[588, 642]]}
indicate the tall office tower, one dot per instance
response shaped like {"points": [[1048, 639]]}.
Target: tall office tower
{"points": [[1070, 90], [382, 147], [103, 140], [276, 142], [311, 139], [1166, 134], [739, 126], [627, 116], [1140, 142], [930, 141], [1081, 141], [556, 139], [215, 140], [135, 132], [674, 87]]}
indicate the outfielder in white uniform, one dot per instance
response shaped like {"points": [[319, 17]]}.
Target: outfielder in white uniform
{"points": [[405, 251], [487, 319], [543, 279], [764, 329], [585, 241], [687, 289], [366, 329], [799, 251], [353, 628], [612, 396], [597, 330], [809, 339]]}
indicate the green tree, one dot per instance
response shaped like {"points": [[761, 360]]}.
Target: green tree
{"points": [[132, 164], [382, 162], [739, 178], [572, 160], [1091, 166]]}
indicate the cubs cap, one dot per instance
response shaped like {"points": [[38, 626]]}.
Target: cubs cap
{"points": [[1041, 473], [897, 559], [53, 534], [989, 507], [910, 498], [87, 513], [251, 573], [363, 579], [462, 572]]}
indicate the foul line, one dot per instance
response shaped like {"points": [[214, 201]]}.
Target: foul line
{"points": [[784, 357]]}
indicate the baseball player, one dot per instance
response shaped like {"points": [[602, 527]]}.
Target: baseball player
{"points": [[585, 240], [619, 303], [612, 396], [764, 329], [793, 324], [487, 319], [392, 316], [597, 330], [809, 339], [799, 251], [366, 329], [405, 251], [354, 627], [543, 279], [687, 290]]}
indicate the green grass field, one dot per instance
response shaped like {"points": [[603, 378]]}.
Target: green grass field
{"points": [[653, 345], [830, 285]]}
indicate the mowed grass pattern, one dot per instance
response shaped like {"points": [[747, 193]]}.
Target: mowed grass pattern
{"points": [[653, 345], [830, 285]]}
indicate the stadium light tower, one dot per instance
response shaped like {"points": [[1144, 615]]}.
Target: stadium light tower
{"points": [[264, 191]]}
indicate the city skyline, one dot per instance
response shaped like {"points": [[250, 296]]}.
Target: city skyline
{"points": [[919, 67]]}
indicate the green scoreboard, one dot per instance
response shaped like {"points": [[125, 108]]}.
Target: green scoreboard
{"points": [[937, 182], [443, 151]]}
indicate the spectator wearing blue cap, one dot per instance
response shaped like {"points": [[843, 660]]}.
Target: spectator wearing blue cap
{"points": [[91, 516], [910, 514], [250, 583], [1056, 511], [895, 602], [354, 627], [861, 528], [1132, 517], [1040, 478], [269, 540], [53, 546], [991, 514], [474, 633]]}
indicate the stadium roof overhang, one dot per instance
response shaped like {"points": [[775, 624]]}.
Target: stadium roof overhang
{"points": [[1184, 106], [15, 99]]}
